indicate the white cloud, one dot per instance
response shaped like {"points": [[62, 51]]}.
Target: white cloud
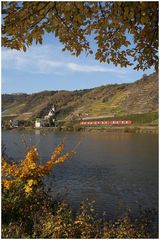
{"points": [[36, 60], [89, 68], [48, 59]]}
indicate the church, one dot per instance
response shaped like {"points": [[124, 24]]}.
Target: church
{"points": [[49, 119]]}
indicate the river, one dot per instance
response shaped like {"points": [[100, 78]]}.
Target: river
{"points": [[118, 170]]}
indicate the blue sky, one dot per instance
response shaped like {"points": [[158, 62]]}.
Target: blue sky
{"points": [[46, 67]]}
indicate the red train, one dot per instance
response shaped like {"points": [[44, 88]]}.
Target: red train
{"points": [[111, 122]]}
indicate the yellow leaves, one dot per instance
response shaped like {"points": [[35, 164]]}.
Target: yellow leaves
{"points": [[94, 9], [31, 182], [27, 189], [144, 19], [126, 12], [79, 5], [29, 185], [57, 151], [9, 169], [42, 12], [28, 171], [67, 7], [4, 164], [78, 222], [78, 19], [98, 54], [31, 18], [7, 184], [63, 158], [32, 155]]}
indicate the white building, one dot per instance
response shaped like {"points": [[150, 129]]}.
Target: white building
{"points": [[48, 119], [51, 113], [39, 123]]}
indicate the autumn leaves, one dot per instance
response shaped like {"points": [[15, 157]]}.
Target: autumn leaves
{"points": [[28, 172]]}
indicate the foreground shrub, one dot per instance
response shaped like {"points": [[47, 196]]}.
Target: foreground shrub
{"points": [[28, 173], [124, 228], [28, 211], [23, 190]]}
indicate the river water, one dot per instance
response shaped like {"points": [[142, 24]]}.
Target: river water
{"points": [[118, 170]]}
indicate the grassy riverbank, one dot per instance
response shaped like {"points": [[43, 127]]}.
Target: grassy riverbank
{"points": [[78, 128], [127, 129]]}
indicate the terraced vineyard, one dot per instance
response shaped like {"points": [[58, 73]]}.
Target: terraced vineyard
{"points": [[134, 99]]}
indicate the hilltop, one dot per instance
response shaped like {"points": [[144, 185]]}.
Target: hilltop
{"points": [[110, 100]]}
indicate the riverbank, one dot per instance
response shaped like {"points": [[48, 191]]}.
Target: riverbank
{"points": [[129, 129], [79, 128]]}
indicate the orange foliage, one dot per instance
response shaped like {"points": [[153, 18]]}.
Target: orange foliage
{"points": [[28, 171]]}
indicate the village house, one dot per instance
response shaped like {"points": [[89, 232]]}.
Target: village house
{"points": [[39, 123], [49, 119], [16, 123]]}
